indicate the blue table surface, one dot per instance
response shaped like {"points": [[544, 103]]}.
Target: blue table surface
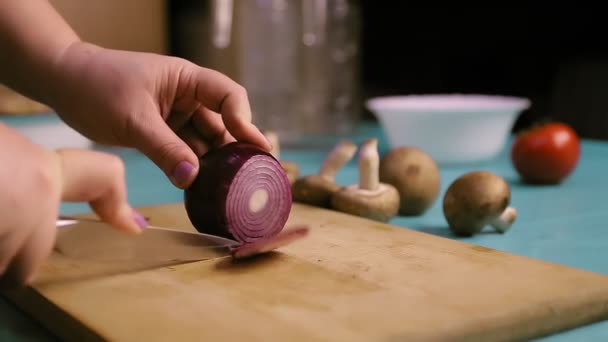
{"points": [[565, 224]]}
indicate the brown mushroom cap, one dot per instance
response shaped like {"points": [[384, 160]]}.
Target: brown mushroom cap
{"points": [[314, 190], [292, 170], [380, 204], [415, 175], [474, 200]]}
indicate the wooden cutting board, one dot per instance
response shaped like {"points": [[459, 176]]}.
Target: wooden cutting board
{"points": [[351, 280]]}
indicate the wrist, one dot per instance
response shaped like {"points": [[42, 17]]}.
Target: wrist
{"points": [[67, 70]]}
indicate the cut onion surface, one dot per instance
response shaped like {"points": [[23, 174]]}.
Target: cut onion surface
{"points": [[241, 193]]}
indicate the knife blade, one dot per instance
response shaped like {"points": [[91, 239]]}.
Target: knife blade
{"points": [[96, 240]]}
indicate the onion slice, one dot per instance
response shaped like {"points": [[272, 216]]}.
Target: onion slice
{"points": [[241, 193], [266, 245]]}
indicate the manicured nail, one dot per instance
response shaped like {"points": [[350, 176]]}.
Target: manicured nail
{"points": [[141, 221], [271, 147], [182, 172]]}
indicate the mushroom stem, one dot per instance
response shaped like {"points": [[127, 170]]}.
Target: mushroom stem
{"points": [[369, 161], [337, 157], [503, 222], [273, 139]]}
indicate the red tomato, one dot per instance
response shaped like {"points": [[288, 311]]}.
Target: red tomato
{"points": [[546, 154]]}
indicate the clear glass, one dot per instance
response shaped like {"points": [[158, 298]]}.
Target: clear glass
{"points": [[298, 60]]}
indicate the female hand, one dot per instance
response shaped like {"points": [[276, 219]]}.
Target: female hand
{"points": [[166, 107], [34, 181]]}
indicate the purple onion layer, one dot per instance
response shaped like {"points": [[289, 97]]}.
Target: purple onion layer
{"points": [[241, 192]]}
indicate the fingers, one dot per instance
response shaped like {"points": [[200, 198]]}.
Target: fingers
{"points": [[221, 94], [84, 176], [167, 150], [99, 178], [194, 140], [205, 129], [211, 126], [32, 253], [9, 246]]}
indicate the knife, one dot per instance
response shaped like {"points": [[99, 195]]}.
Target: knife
{"points": [[97, 241]]}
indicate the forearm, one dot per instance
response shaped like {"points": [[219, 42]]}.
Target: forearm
{"points": [[33, 37]]}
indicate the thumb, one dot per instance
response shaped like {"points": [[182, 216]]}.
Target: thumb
{"points": [[167, 150]]}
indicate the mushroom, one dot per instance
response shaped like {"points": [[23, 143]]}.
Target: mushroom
{"points": [[477, 199], [415, 175], [370, 198], [317, 189], [290, 167], [292, 170]]}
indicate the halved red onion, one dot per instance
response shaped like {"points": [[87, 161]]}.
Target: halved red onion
{"points": [[241, 192]]}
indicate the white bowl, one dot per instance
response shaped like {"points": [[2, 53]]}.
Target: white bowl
{"points": [[451, 128]]}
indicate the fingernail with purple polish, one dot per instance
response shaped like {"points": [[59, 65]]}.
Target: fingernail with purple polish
{"points": [[182, 172], [141, 221]]}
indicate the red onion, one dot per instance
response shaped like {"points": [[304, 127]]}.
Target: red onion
{"points": [[241, 192]]}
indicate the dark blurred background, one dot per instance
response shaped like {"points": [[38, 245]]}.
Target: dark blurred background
{"points": [[555, 55]]}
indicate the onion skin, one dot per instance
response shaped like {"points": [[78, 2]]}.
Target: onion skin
{"points": [[218, 201]]}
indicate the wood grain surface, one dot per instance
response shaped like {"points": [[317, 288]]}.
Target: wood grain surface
{"points": [[351, 280]]}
